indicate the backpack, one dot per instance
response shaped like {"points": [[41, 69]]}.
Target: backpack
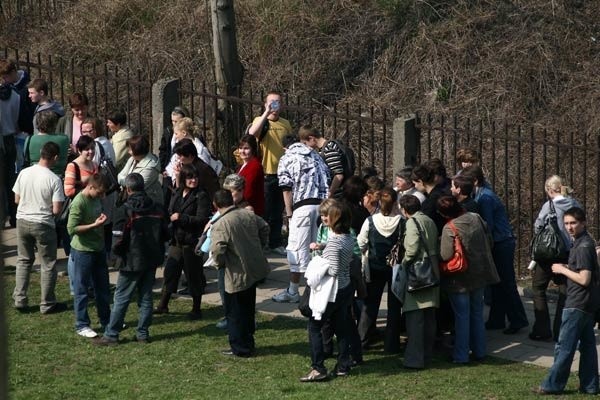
{"points": [[263, 132], [348, 158], [107, 168]]}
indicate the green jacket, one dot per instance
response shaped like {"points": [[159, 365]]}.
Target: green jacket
{"points": [[414, 251], [84, 210]]}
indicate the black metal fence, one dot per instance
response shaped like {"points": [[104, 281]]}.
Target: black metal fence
{"points": [[516, 161], [367, 130], [107, 87], [40, 12]]}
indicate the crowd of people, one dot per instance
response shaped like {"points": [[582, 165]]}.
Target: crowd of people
{"points": [[348, 235]]}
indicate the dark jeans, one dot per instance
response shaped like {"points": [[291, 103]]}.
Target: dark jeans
{"points": [[8, 157], [506, 302], [339, 315], [240, 308], [542, 275], [183, 258], [274, 210], [126, 284], [328, 331], [368, 317]]}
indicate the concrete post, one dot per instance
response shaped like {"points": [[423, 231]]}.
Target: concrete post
{"points": [[165, 97], [406, 139]]}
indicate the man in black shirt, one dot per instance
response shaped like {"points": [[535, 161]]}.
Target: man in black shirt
{"points": [[578, 315]]}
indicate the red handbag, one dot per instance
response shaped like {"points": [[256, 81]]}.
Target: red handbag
{"points": [[458, 263]]}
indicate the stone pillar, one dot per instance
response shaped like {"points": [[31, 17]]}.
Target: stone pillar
{"points": [[406, 139], [165, 97]]}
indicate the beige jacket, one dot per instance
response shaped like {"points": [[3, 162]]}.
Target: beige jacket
{"points": [[237, 241]]}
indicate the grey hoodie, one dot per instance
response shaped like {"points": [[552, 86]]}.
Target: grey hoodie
{"points": [[51, 105], [561, 204], [10, 103]]}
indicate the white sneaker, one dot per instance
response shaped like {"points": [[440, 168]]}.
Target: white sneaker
{"points": [[280, 251], [87, 332], [286, 297]]}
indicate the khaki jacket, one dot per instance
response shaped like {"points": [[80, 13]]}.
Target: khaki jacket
{"points": [[237, 241]]}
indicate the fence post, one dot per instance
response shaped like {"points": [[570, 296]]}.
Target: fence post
{"points": [[165, 97], [405, 145]]}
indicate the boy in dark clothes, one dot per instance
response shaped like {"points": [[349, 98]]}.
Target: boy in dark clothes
{"points": [[142, 248]]}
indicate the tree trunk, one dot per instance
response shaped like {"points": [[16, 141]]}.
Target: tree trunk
{"points": [[229, 76]]}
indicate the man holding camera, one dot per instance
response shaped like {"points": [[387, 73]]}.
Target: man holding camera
{"points": [[270, 129]]}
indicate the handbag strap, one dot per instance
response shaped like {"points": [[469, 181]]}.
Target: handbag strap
{"points": [[453, 228], [552, 212], [421, 237]]}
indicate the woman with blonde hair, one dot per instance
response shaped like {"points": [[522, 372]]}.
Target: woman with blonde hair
{"points": [[558, 193], [186, 129]]}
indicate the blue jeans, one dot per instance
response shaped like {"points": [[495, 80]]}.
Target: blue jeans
{"points": [[468, 325], [90, 265], [126, 285], [274, 210], [577, 327], [506, 302]]}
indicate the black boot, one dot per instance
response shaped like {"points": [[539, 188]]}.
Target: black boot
{"points": [[196, 312], [163, 304]]}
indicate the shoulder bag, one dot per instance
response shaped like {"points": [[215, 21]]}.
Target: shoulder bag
{"points": [[458, 263], [62, 217], [548, 245], [421, 274]]}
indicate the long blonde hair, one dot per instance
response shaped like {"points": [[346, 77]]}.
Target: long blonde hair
{"points": [[555, 184]]}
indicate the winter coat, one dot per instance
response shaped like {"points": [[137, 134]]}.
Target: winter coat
{"points": [[477, 243], [194, 211], [145, 232]]}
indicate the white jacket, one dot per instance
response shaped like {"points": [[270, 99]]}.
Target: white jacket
{"points": [[323, 287]]}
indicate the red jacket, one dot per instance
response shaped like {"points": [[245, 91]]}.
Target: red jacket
{"points": [[254, 191]]}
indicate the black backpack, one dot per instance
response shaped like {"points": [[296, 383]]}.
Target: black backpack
{"points": [[348, 158], [107, 168]]}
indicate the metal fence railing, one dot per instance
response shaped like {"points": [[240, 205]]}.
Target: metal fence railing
{"points": [[107, 87], [516, 161]]}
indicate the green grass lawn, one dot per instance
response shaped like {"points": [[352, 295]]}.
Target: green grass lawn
{"points": [[49, 361]]}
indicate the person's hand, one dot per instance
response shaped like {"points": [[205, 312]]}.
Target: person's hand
{"points": [[174, 217], [101, 219], [558, 268], [314, 246]]}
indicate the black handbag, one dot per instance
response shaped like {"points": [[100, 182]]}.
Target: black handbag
{"points": [[421, 274], [303, 306], [548, 245]]}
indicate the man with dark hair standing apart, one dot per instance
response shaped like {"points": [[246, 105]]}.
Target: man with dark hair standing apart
{"points": [[39, 195], [237, 240], [142, 248], [577, 327], [270, 129]]}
